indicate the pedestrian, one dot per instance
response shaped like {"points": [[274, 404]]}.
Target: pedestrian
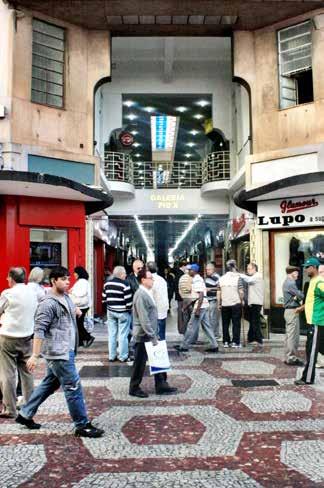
{"points": [[132, 277], [293, 298], [118, 297], [160, 295], [170, 279], [188, 300], [255, 299], [199, 314], [35, 280], [180, 272], [56, 339], [314, 311], [212, 283], [80, 294], [145, 329], [18, 304], [230, 300]]}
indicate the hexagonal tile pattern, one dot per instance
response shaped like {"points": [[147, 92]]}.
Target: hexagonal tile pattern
{"points": [[19, 463], [276, 401], [178, 479], [248, 367], [306, 457], [221, 437]]}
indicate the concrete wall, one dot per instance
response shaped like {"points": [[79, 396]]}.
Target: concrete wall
{"points": [[65, 133]]}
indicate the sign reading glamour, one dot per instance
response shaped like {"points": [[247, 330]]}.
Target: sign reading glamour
{"points": [[291, 212]]}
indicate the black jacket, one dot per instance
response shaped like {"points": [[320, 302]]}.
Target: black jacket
{"points": [[133, 282]]}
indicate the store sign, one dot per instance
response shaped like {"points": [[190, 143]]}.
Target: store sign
{"points": [[126, 139], [291, 212], [169, 201]]}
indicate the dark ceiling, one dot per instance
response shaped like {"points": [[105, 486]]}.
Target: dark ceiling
{"points": [[195, 145], [170, 17]]}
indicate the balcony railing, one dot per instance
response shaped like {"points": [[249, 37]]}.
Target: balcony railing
{"points": [[184, 174]]}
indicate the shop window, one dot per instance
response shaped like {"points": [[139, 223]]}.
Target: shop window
{"points": [[295, 65], [293, 248], [48, 64], [48, 248]]}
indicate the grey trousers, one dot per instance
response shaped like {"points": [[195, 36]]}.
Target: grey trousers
{"points": [[214, 315], [193, 329], [14, 353], [292, 334]]}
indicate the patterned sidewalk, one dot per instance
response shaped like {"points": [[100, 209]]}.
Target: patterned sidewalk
{"points": [[217, 432]]}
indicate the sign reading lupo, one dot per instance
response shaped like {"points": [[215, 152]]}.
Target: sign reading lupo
{"points": [[171, 200], [291, 212]]}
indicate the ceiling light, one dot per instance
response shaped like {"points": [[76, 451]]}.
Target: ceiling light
{"points": [[131, 116], [137, 155], [188, 155], [149, 109], [150, 254], [194, 132], [181, 109], [198, 116], [183, 236], [136, 144], [163, 132], [134, 132], [190, 144], [203, 103], [129, 103], [186, 163]]}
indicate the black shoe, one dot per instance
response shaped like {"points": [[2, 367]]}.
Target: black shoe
{"points": [[298, 362], [112, 360], [181, 349], [89, 342], [302, 383], [88, 430], [138, 393], [29, 423], [6, 415], [212, 349], [166, 390]]}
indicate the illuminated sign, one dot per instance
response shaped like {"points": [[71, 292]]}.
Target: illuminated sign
{"points": [[170, 200]]}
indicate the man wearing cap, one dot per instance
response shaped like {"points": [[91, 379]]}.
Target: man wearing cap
{"points": [[314, 311], [292, 301], [199, 314]]}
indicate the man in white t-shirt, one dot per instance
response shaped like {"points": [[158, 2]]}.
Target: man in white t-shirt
{"points": [[160, 295], [199, 314]]}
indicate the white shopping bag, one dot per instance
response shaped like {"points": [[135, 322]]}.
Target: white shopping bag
{"points": [[158, 357]]}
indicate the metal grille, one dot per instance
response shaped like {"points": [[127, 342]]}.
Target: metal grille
{"points": [[48, 64], [216, 167], [118, 167]]}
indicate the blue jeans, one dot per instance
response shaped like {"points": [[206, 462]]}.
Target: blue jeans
{"points": [[161, 326], [59, 373], [118, 328]]}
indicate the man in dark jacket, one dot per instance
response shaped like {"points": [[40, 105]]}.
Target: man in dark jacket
{"points": [[145, 329], [132, 278], [56, 338]]}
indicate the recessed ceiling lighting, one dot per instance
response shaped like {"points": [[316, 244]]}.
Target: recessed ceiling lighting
{"points": [[191, 144], [131, 116], [149, 109], [136, 144], [181, 109], [137, 155], [186, 164], [194, 132], [188, 155], [134, 132], [129, 103], [198, 116], [202, 103]]}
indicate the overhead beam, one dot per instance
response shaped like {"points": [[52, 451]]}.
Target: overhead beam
{"points": [[169, 49]]}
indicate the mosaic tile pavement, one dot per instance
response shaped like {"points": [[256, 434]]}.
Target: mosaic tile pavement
{"points": [[211, 434]]}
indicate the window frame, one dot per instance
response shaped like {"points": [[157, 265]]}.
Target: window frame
{"points": [[63, 72]]}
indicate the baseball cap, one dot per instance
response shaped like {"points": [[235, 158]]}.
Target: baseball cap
{"points": [[195, 267], [311, 262]]}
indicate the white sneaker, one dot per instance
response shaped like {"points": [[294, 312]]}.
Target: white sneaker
{"points": [[225, 345], [236, 346], [20, 401]]}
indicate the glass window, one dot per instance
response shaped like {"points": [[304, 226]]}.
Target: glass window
{"points": [[293, 248], [295, 65], [48, 64], [48, 248]]}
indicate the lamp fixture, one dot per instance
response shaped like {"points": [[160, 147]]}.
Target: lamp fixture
{"points": [[191, 144], [149, 109], [188, 155], [198, 116], [136, 144], [181, 109], [150, 253], [134, 132], [194, 132], [129, 103], [131, 116], [202, 103]]}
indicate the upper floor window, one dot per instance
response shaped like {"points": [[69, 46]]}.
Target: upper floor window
{"points": [[48, 64], [295, 64]]}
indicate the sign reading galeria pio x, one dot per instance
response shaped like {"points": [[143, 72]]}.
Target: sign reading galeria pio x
{"points": [[291, 212]]}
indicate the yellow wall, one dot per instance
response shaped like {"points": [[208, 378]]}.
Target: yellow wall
{"points": [[255, 60]]}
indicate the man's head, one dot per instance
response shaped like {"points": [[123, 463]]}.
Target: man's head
{"points": [[137, 266], [210, 269], [251, 268], [119, 272], [182, 266], [311, 265], [194, 269], [231, 265], [321, 270], [60, 279], [292, 272], [16, 275], [145, 278], [152, 267]]}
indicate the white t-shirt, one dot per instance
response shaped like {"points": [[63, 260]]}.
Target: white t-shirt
{"points": [[80, 293], [160, 294], [198, 286]]}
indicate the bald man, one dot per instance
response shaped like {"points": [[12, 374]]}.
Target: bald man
{"points": [[132, 278]]}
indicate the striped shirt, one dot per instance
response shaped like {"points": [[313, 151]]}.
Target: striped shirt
{"points": [[117, 295], [212, 282]]}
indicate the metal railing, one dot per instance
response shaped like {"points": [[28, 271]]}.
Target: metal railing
{"points": [[182, 174]]}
